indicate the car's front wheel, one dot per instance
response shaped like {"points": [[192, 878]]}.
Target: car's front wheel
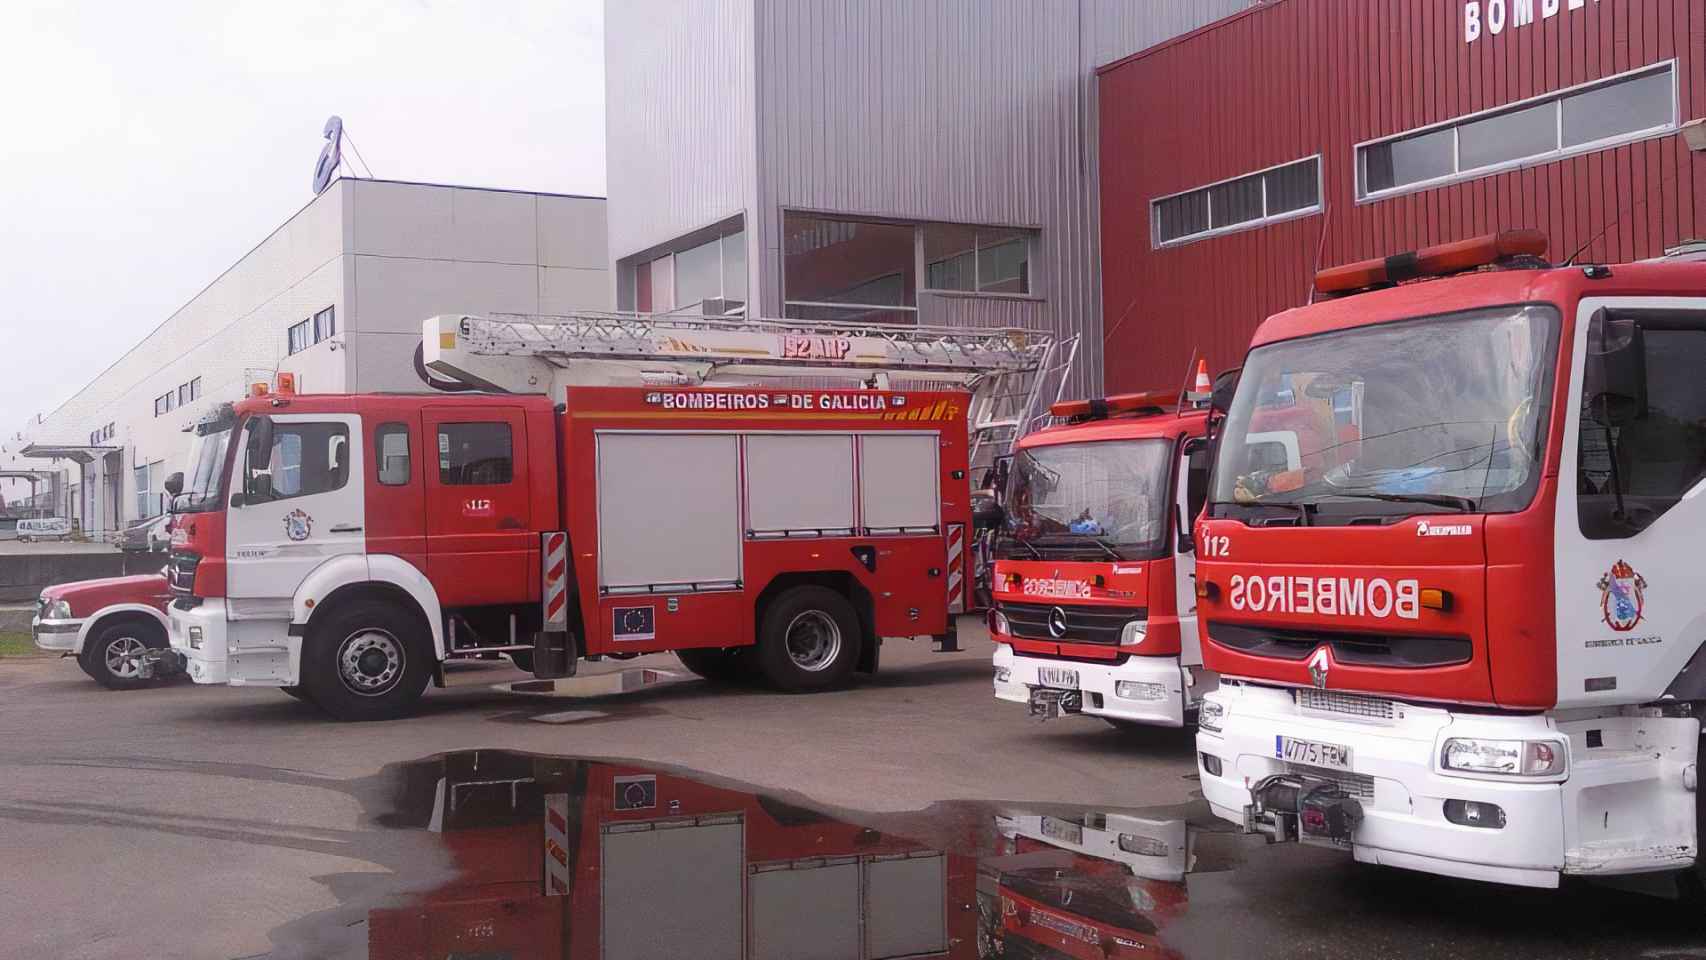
{"points": [[113, 653]]}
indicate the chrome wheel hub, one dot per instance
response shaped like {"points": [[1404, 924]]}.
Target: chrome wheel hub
{"points": [[370, 662], [124, 657], [813, 640]]}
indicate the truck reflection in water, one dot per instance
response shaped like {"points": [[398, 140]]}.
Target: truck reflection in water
{"points": [[566, 858]]}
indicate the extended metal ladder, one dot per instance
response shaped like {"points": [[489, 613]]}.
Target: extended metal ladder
{"points": [[1018, 404]]}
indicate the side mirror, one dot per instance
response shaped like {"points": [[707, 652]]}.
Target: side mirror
{"points": [[260, 443], [175, 484], [986, 514], [1225, 385], [1614, 381]]}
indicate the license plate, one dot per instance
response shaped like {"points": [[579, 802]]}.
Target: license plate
{"points": [[1313, 754], [1057, 678], [1063, 830]]}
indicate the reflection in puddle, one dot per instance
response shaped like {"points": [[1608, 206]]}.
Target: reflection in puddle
{"points": [[564, 858]]}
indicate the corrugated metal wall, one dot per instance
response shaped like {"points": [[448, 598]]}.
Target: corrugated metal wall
{"points": [[978, 111], [678, 78], [1300, 77]]}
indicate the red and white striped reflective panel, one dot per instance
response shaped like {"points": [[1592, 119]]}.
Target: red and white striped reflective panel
{"points": [[956, 568], [555, 595]]}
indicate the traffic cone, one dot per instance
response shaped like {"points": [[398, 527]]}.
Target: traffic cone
{"points": [[1204, 385]]}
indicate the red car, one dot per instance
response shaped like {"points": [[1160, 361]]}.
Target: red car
{"points": [[106, 624]]}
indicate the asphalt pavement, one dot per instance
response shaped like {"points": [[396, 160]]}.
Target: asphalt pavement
{"points": [[222, 822]]}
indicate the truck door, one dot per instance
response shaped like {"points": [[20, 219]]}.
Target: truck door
{"points": [[480, 540], [289, 518], [1190, 492]]}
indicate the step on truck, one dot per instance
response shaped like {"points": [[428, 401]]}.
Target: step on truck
{"points": [[592, 486], [1095, 601], [1447, 569]]}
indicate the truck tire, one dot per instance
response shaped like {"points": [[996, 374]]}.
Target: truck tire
{"points": [[295, 693], [715, 664], [112, 654], [523, 660], [808, 640], [366, 661]]}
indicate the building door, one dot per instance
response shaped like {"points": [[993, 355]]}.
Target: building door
{"points": [[481, 547]]}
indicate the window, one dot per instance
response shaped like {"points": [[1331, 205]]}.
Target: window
{"points": [[474, 454], [143, 497], [183, 394], [325, 324], [391, 453], [1617, 110], [977, 259], [195, 388], [709, 276], [699, 274], [307, 458], [1643, 428], [1266, 196], [835, 269], [164, 403], [297, 336], [150, 492]]}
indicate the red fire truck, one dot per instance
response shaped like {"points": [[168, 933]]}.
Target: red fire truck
{"points": [[344, 547], [1444, 567], [564, 858], [1095, 601]]}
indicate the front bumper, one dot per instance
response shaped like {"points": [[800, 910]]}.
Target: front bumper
{"points": [[199, 633], [1394, 777], [1098, 685], [57, 636]]}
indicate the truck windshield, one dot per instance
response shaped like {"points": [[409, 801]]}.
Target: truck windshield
{"points": [[1440, 414], [204, 481], [1088, 501]]}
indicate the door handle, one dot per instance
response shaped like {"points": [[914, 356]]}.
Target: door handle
{"points": [[345, 528]]}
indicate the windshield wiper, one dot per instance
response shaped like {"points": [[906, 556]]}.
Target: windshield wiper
{"points": [[1035, 553], [1462, 504], [1305, 511], [1107, 548]]}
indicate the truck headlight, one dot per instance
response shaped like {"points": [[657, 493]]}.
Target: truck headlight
{"points": [[1510, 758], [1134, 633], [57, 610], [998, 623], [195, 638], [1210, 715], [1139, 690]]}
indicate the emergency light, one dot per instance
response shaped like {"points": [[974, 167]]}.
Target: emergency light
{"points": [[1153, 401], [1436, 261]]}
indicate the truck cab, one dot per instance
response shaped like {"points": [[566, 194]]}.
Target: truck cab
{"points": [[1453, 623], [1095, 601]]}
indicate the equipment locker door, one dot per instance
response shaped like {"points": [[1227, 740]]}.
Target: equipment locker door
{"points": [[1190, 492], [480, 540]]}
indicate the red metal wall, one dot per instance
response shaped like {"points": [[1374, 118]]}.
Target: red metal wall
{"points": [[1294, 78]]}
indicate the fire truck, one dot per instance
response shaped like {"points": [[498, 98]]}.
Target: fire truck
{"points": [[592, 486], [1095, 602], [1444, 564]]}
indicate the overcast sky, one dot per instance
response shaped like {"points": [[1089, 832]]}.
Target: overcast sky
{"points": [[150, 145]]}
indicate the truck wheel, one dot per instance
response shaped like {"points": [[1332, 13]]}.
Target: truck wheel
{"points": [[365, 662], [523, 660], [714, 664], [809, 640], [113, 654]]}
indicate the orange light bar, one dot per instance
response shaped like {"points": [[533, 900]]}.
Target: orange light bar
{"points": [[1119, 403], [1073, 408], [287, 383], [257, 389], [1435, 261]]}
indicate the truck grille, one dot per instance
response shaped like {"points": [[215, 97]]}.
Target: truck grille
{"points": [[1347, 703], [1084, 624], [180, 573], [1359, 785], [1356, 649]]}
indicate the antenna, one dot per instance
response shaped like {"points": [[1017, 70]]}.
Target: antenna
{"points": [[1185, 390], [1320, 252]]}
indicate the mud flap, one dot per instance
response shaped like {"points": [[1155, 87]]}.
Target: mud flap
{"points": [[555, 654]]}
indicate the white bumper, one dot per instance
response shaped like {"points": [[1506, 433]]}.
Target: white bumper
{"points": [[1622, 809], [1098, 685], [58, 636], [238, 652]]}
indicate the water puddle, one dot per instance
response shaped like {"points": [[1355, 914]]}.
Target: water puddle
{"points": [[553, 857]]}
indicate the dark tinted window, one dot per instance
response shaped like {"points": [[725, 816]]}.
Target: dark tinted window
{"points": [[475, 454], [391, 453], [1643, 433]]}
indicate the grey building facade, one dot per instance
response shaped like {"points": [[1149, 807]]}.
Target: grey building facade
{"points": [[911, 161]]}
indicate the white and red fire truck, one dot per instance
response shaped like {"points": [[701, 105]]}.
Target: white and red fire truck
{"points": [[1095, 601], [344, 547], [1445, 567]]}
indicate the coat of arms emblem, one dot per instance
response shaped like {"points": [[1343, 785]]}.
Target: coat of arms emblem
{"points": [[298, 525], [1622, 597]]}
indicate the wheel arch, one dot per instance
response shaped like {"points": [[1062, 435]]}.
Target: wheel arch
{"points": [[120, 611], [356, 576], [842, 582]]}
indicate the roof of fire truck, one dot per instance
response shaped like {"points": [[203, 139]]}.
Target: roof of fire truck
{"points": [[1489, 285], [1135, 416]]}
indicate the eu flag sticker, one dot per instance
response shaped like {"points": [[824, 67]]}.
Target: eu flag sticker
{"points": [[634, 623]]}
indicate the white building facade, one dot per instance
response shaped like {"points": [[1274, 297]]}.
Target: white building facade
{"points": [[335, 296]]}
